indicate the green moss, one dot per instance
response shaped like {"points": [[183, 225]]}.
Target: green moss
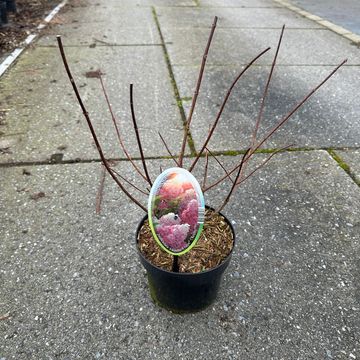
{"points": [[344, 166], [339, 160], [186, 98]]}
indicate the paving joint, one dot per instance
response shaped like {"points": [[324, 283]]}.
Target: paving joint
{"points": [[228, 153], [179, 103], [230, 65], [343, 165], [355, 38], [98, 45]]}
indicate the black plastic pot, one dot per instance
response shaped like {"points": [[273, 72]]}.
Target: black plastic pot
{"points": [[183, 292]]}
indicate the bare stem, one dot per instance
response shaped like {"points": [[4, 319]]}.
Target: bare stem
{"points": [[278, 125], [258, 120], [206, 168], [240, 181], [221, 165], [87, 118], [137, 135], [99, 195], [196, 93], [234, 183], [168, 150], [223, 106], [129, 182], [117, 129], [296, 107]]}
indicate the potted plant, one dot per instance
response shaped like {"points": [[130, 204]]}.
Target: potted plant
{"points": [[184, 248]]}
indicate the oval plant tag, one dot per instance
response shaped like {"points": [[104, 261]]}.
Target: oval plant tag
{"points": [[176, 210]]}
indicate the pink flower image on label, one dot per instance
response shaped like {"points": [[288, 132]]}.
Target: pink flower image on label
{"points": [[176, 209]]}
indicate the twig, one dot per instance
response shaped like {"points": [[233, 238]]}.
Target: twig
{"points": [[137, 135], [221, 165], [168, 150], [287, 117], [86, 115], [234, 183], [196, 92], [129, 182], [117, 129], [240, 181], [278, 125], [258, 120], [223, 106], [100, 192], [206, 168]]}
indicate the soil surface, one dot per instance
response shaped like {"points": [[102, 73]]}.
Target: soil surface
{"points": [[214, 245], [30, 14]]}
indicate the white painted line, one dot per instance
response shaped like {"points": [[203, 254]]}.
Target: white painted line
{"points": [[30, 38], [325, 23], [10, 59], [15, 54], [55, 11]]}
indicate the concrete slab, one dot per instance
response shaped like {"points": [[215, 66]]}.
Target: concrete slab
{"points": [[43, 117], [328, 119], [238, 3], [126, 26], [352, 159], [136, 3], [72, 285], [232, 18], [239, 46]]}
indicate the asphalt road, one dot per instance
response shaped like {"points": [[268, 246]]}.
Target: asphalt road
{"points": [[345, 13]]}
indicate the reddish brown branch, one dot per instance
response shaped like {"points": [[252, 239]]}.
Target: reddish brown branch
{"points": [[287, 117], [168, 150], [234, 183], [221, 165], [137, 135], [129, 182], [240, 181], [205, 169], [223, 106], [258, 120], [277, 126], [196, 92], [117, 129], [99, 195], [93, 133]]}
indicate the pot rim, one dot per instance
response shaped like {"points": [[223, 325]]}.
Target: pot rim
{"points": [[183, 273]]}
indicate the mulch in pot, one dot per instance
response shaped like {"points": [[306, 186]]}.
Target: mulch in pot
{"points": [[214, 245]]}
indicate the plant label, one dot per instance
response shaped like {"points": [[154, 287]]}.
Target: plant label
{"points": [[176, 210]]}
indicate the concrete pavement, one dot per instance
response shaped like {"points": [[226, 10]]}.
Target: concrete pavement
{"points": [[71, 284]]}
